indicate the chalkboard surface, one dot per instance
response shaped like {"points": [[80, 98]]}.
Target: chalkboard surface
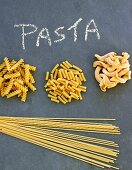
{"points": [[114, 23]]}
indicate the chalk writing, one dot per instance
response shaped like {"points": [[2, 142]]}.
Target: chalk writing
{"points": [[41, 35], [59, 34], [91, 27], [91, 30], [25, 34], [74, 26]]}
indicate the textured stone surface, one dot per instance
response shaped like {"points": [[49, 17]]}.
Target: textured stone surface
{"points": [[113, 19]]}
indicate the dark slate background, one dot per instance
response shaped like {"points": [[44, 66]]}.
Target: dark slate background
{"points": [[114, 21]]}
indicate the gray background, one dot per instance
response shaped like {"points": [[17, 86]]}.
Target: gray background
{"points": [[114, 21]]}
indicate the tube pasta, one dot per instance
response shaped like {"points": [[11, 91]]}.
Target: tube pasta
{"points": [[112, 69], [65, 84], [16, 78]]}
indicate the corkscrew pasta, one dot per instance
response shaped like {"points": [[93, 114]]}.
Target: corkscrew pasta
{"points": [[112, 69], [65, 82], [16, 78]]}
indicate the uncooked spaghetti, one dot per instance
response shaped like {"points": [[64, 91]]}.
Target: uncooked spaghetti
{"points": [[47, 133]]}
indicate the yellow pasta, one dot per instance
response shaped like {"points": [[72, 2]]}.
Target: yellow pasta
{"points": [[27, 73], [9, 87], [7, 63], [47, 76], [112, 69], [66, 65], [14, 93], [13, 75], [77, 68], [16, 78], [32, 68], [83, 77], [51, 96], [66, 83], [51, 76], [69, 64], [20, 87], [31, 86], [3, 72], [54, 100], [55, 74], [52, 93], [31, 78], [61, 100], [17, 64], [55, 134], [53, 70], [63, 66], [24, 96], [2, 66], [1, 80]]}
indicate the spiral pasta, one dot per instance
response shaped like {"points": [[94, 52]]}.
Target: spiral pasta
{"points": [[16, 78], [112, 69], [7, 63]]}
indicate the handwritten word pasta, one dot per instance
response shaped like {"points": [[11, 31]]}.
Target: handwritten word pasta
{"points": [[112, 69], [16, 78], [57, 134], [65, 82]]}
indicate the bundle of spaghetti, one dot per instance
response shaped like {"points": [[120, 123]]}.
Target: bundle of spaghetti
{"points": [[112, 69], [64, 83], [91, 150], [73, 125], [16, 78]]}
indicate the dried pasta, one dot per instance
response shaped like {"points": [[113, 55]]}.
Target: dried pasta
{"points": [[55, 134], [65, 83], [112, 69], [16, 78]]}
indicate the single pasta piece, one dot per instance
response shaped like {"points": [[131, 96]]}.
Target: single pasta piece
{"points": [[14, 93], [65, 83], [7, 63], [24, 96], [27, 73], [9, 87], [31, 78], [53, 70], [112, 69], [19, 81], [31, 86], [2, 66], [13, 75], [1, 80], [55, 100], [47, 75], [32, 68], [17, 64], [16, 78]]}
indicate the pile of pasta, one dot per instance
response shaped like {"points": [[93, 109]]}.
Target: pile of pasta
{"points": [[65, 82], [112, 69], [16, 78], [56, 134]]}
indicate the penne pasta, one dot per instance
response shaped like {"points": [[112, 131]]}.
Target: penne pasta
{"points": [[64, 83]]}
